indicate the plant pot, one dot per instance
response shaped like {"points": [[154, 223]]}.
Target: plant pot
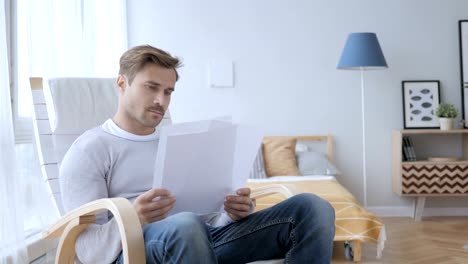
{"points": [[446, 123]]}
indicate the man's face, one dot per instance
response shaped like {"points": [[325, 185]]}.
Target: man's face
{"points": [[146, 100]]}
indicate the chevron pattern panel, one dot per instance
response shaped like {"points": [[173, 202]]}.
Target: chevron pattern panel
{"points": [[435, 179]]}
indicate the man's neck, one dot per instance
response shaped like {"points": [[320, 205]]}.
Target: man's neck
{"points": [[131, 126]]}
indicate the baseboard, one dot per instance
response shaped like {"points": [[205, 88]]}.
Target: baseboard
{"points": [[445, 211], [407, 211], [391, 211]]}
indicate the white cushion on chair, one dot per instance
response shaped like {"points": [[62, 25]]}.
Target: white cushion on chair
{"points": [[75, 105]]}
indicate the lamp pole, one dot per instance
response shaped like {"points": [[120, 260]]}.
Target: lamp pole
{"points": [[363, 116]]}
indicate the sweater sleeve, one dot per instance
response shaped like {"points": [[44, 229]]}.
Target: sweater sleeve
{"points": [[82, 180]]}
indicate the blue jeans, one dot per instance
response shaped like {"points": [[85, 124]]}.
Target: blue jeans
{"points": [[300, 230]]}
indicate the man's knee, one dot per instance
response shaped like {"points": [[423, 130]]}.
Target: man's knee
{"points": [[178, 238], [315, 207], [186, 226], [188, 223]]}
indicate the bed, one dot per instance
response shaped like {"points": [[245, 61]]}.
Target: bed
{"points": [[354, 224]]}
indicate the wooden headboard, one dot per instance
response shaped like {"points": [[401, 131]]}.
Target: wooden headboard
{"points": [[328, 140]]}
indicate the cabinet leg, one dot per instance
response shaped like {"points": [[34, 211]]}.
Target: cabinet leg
{"points": [[419, 207]]}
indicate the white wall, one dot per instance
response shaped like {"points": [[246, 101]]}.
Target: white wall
{"points": [[286, 81]]}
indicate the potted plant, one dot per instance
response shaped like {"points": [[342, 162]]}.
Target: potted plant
{"points": [[446, 114]]}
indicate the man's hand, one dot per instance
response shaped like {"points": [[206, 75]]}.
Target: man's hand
{"points": [[238, 206], [153, 205]]}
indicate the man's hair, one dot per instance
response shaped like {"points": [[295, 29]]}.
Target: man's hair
{"points": [[136, 58]]}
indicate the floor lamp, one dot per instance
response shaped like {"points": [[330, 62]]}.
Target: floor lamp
{"points": [[362, 52]]}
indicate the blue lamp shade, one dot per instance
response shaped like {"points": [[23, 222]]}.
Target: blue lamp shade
{"points": [[362, 52]]}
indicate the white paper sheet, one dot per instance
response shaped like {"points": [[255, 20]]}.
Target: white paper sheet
{"points": [[201, 162]]}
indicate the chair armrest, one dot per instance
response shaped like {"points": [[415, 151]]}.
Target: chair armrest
{"points": [[74, 222], [270, 189]]}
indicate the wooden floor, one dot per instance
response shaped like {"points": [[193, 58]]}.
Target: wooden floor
{"points": [[438, 240]]}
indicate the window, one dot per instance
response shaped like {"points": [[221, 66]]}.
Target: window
{"points": [[56, 38], [38, 210], [62, 38]]}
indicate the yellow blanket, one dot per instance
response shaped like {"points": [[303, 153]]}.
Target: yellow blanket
{"points": [[352, 221]]}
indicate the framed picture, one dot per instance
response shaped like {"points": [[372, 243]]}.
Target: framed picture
{"points": [[463, 36], [420, 99]]}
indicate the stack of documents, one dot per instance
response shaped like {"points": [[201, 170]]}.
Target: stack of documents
{"points": [[201, 162]]}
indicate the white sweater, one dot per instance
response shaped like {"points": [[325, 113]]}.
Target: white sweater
{"points": [[108, 162]]}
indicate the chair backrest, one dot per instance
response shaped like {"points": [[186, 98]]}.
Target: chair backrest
{"points": [[64, 108]]}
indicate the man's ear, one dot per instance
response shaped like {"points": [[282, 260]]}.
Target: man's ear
{"points": [[121, 83]]}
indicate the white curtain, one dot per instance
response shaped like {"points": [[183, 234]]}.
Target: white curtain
{"points": [[72, 38], [12, 239], [55, 38]]}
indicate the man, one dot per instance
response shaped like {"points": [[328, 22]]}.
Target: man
{"points": [[117, 159]]}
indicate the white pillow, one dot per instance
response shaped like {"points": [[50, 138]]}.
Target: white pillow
{"points": [[301, 147], [315, 163]]}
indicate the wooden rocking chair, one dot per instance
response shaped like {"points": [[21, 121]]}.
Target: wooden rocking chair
{"points": [[53, 142]]}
